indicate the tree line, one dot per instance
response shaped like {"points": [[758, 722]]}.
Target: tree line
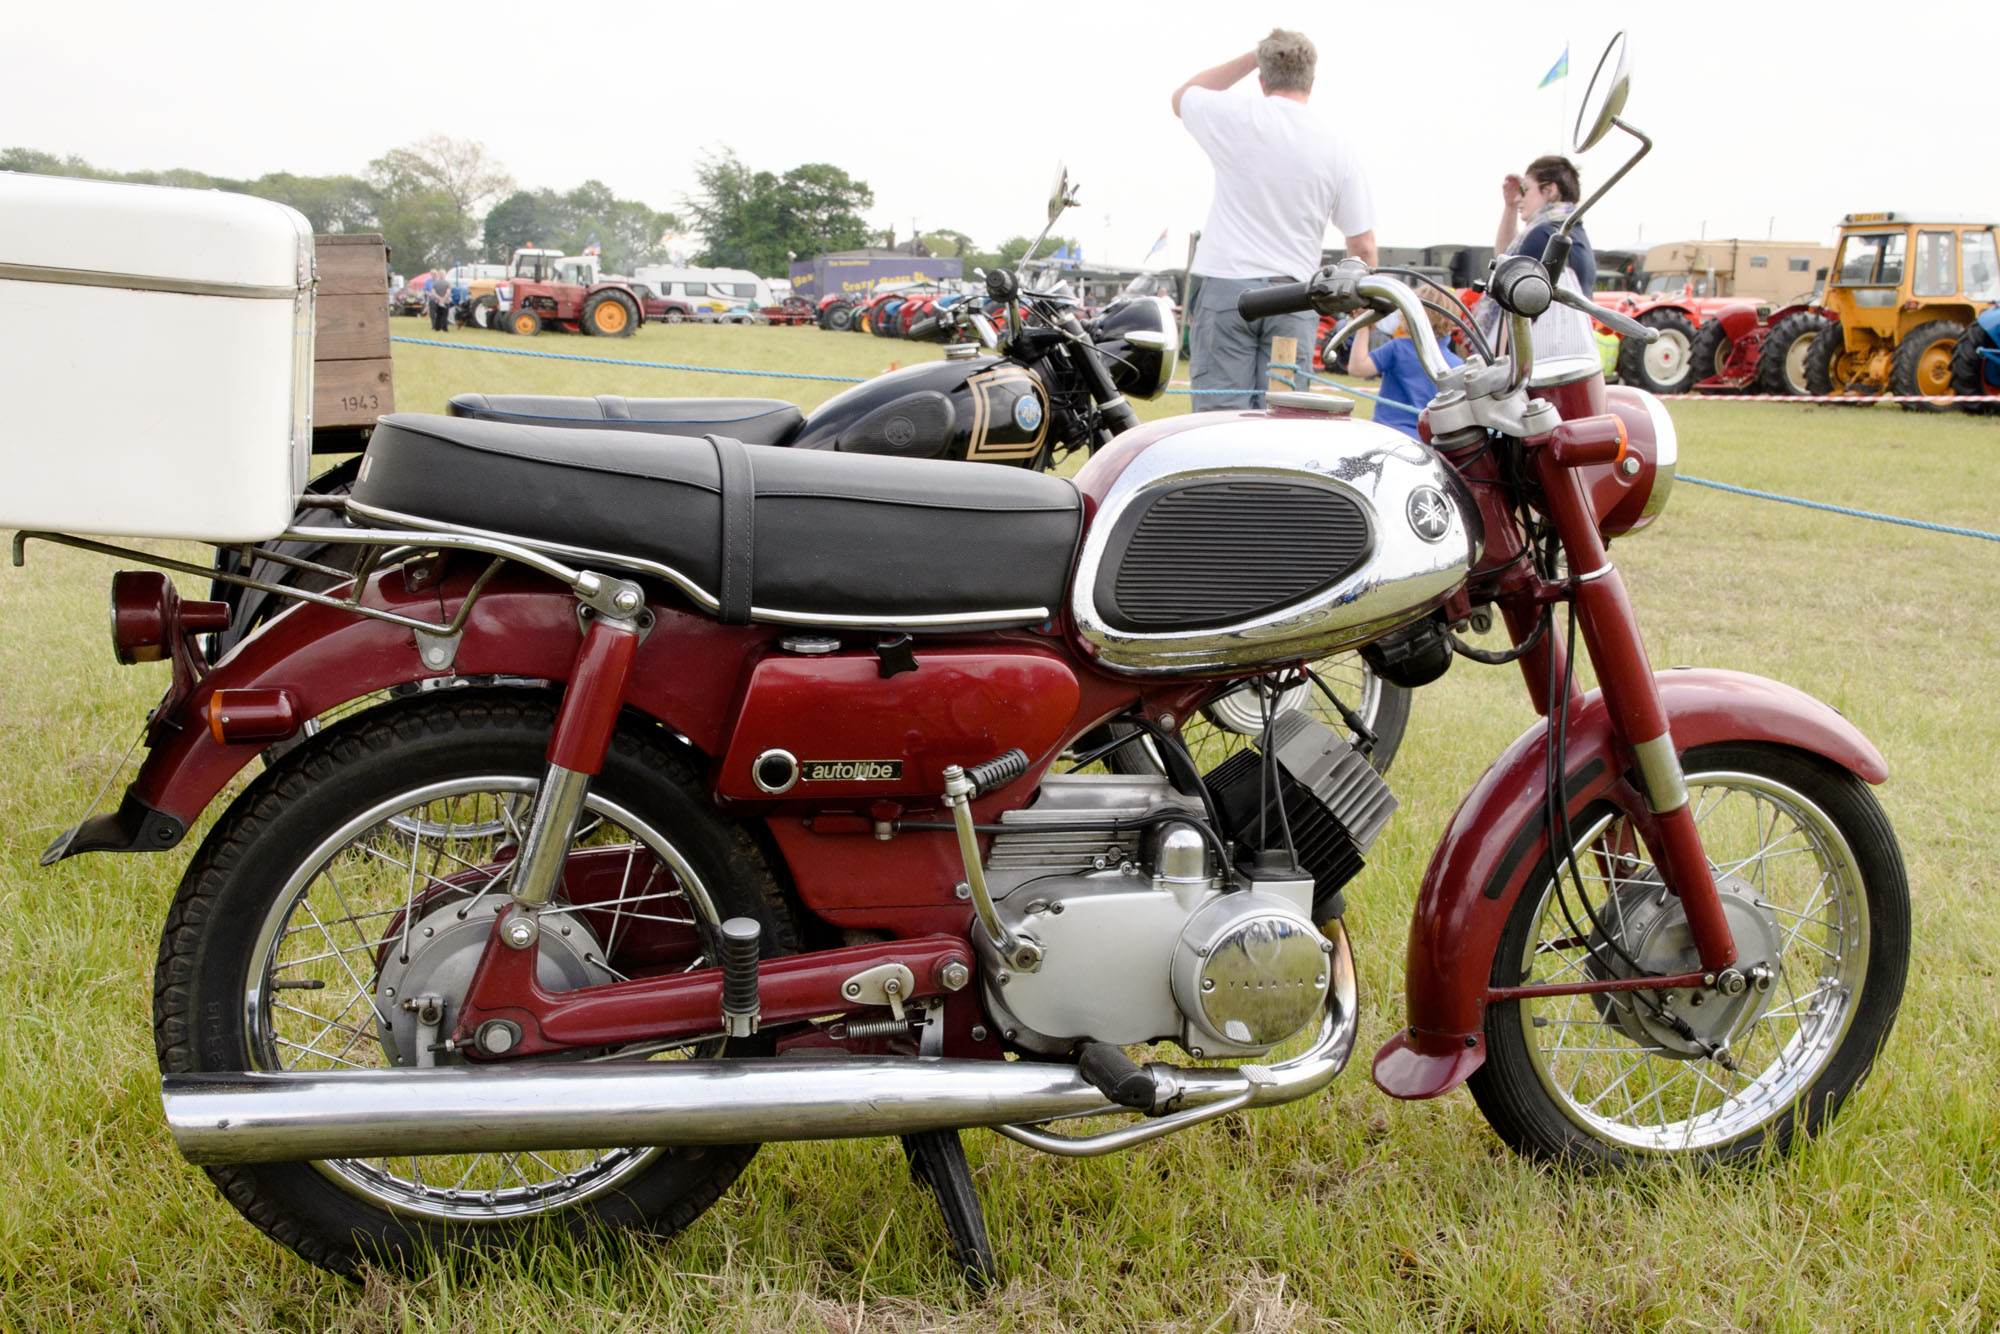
{"points": [[440, 201]]}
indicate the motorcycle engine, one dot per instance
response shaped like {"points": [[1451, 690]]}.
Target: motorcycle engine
{"points": [[1142, 933]]}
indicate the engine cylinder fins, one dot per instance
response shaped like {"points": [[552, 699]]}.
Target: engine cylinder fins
{"points": [[1333, 802]]}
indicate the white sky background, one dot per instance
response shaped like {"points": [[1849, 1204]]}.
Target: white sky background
{"points": [[1770, 118]]}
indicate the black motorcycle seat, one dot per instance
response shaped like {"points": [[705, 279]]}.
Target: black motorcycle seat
{"points": [[812, 537], [754, 421]]}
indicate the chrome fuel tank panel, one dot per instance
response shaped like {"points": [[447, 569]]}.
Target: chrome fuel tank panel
{"points": [[1392, 527]]}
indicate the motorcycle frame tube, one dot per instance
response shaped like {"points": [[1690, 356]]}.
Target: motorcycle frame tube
{"points": [[683, 1005], [1497, 842]]}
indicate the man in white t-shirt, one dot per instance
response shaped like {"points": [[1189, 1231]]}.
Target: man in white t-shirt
{"points": [[1280, 176]]}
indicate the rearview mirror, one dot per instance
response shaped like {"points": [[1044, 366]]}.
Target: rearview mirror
{"points": [[1061, 193], [1605, 97]]}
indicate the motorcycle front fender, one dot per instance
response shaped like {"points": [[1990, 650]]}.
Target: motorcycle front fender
{"points": [[523, 626], [1497, 839]]}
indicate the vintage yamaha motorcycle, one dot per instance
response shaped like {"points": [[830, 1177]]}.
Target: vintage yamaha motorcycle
{"points": [[774, 837]]}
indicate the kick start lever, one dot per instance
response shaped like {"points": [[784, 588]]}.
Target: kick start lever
{"points": [[960, 787]]}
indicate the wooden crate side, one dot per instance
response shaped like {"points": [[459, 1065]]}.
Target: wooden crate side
{"points": [[351, 326], [352, 264], [352, 393]]}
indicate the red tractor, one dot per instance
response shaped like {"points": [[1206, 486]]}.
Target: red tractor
{"points": [[1667, 366], [547, 288], [1752, 348]]}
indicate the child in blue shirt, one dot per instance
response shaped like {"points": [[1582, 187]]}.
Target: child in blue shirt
{"points": [[1403, 377]]}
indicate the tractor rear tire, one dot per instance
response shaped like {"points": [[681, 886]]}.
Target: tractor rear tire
{"points": [[1663, 367], [1781, 365], [1923, 360], [1710, 350], [610, 315], [1972, 373], [524, 322]]}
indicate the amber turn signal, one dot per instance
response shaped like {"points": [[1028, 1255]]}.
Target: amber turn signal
{"points": [[237, 716]]}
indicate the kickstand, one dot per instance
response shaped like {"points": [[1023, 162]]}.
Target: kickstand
{"points": [[938, 1160]]}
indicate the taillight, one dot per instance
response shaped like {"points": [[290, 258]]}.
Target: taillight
{"points": [[148, 617]]}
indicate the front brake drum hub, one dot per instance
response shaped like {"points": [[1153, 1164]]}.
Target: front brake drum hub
{"points": [[1651, 926]]}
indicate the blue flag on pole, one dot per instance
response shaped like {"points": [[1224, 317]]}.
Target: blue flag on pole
{"points": [[1560, 70]]}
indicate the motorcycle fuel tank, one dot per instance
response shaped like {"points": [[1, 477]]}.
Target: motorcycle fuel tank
{"points": [[1236, 540], [986, 409]]}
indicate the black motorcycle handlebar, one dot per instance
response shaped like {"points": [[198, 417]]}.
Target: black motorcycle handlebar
{"points": [[1281, 299]]}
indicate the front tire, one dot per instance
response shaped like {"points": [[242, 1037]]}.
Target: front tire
{"points": [[1665, 366], [1228, 724], [1812, 868], [320, 886]]}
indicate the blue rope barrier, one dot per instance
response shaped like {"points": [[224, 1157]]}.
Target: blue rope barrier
{"points": [[617, 361], [1841, 509]]}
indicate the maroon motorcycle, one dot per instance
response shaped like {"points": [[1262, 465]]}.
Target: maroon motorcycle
{"points": [[675, 795]]}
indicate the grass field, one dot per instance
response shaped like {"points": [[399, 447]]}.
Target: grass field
{"points": [[1350, 1211]]}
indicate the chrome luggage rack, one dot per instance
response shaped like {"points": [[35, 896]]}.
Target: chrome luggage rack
{"points": [[397, 538]]}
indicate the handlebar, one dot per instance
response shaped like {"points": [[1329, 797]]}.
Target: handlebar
{"points": [[1283, 299], [1344, 288], [1624, 324]]}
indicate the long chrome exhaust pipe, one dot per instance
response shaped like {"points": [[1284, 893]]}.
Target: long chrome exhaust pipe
{"points": [[258, 1117]]}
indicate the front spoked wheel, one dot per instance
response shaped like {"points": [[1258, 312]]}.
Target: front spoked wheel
{"points": [[1812, 883], [335, 915], [1233, 721]]}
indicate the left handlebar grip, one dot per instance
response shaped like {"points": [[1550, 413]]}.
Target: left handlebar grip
{"points": [[1280, 299]]}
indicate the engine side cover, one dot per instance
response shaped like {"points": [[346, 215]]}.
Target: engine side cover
{"points": [[1258, 540]]}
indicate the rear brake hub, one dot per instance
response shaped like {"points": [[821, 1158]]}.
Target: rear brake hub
{"points": [[433, 967]]}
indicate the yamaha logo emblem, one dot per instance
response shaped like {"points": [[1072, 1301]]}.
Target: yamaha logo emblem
{"points": [[1429, 514], [851, 771], [1027, 412]]}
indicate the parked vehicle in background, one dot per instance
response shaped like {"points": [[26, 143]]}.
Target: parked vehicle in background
{"points": [[656, 306], [1975, 367], [1667, 365], [836, 312], [1903, 290], [547, 287]]}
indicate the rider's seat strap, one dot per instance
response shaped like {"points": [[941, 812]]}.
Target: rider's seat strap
{"points": [[739, 497]]}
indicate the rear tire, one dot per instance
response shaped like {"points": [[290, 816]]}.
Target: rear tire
{"points": [[1710, 351], [1923, 360], [1972, 373], [1781, 363], [839, 318], [610, 315], [1665, 366], [257, 969], [1585, 1081]]}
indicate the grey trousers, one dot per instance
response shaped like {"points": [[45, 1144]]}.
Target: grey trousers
{"points": [[1230, 352]]}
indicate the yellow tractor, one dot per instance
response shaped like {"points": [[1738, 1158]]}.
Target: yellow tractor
{"points": [[1903, 289]]}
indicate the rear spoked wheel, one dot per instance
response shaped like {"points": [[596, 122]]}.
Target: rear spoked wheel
{"points": [[332, 921], [1813, 885]]}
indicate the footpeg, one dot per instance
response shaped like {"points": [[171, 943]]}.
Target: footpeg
{"points": [[740, 1006], [1115, 1075]]}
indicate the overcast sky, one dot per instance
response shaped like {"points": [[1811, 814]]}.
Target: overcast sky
{"points": [[1770, 118]]}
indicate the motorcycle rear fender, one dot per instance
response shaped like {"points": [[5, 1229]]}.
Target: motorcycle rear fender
{"points": [[1496, 842], [522, 626]]}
